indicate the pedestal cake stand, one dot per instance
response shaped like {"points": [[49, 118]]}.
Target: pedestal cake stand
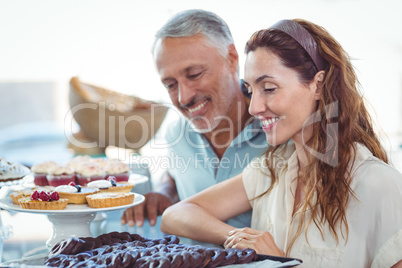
{"points": [[74, 220]]}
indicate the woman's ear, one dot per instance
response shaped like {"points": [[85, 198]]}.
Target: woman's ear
{"points": [[317, 84]]}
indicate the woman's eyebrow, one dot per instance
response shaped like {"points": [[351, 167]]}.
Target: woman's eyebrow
{"points": [[262, 77]]}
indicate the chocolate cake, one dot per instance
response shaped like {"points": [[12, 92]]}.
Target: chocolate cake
{"points": [[132, 250]]}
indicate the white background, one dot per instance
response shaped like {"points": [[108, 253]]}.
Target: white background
{"points": [[108, 42]]}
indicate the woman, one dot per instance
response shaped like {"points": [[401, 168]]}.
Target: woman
{"points": [[323, 192]]}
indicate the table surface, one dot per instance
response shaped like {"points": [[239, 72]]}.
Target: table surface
{"points": [[31, 241], [30, 238], [33, 250]]}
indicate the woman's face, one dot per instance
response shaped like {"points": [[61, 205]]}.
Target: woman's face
{"points": [[279, 100]]}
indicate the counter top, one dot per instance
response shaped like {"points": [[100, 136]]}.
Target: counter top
{"points": [[30, 238]]}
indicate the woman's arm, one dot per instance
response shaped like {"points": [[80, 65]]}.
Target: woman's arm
{"points": [[201, 217], [261, 241], [398, 265]]}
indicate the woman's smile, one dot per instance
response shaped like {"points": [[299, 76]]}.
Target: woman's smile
{"points": [[269, 122]]}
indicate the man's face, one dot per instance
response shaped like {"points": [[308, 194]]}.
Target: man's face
{"points": [[200, 81]]}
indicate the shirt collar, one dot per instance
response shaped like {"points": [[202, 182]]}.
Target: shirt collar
{"points": [[250, 131]]}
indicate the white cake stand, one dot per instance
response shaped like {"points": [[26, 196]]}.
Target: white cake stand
{"points": [[74, 220]]}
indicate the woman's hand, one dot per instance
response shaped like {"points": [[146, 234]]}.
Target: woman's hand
{"points": [[261, 242]]}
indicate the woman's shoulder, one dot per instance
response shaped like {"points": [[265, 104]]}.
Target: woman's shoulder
{"points": [[278, 157], [373, 176]]}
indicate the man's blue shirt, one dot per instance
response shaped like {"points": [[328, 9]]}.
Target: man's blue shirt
{"points": [[195, 166]]}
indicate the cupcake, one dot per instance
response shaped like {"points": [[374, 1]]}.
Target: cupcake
{"points": [[76, 162], [99, 161], [40, 172], [117, 169], [110, 185], [60, 175], [75, 193], [89, 172]]}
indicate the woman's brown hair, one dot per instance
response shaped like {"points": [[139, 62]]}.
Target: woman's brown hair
{"points": [[341, 121]]}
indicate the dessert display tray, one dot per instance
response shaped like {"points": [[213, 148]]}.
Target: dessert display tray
{"points": [[71, 209], [74, 220]]}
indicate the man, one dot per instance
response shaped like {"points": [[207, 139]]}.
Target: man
{"points": [[197, 62]]}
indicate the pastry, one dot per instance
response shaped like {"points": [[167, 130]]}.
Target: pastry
{"points": [[18, 194], [43, 200], [60, 175], [40, 171], [110, 185], [90, 172], [12, 171], [75, 193], [27, 203], [104, 200], [119, 170], [76, 162], [99, 161]]}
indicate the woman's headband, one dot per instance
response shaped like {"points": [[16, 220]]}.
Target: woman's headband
{"points": [[304, 38]]}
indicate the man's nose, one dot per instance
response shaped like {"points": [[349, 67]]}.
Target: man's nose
{"points": [[186, 93]]}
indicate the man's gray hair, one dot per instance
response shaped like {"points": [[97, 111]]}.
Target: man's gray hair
{"points": [[197, 21]]}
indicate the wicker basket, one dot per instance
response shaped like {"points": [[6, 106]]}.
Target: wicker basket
{"points": [[111, 118]]}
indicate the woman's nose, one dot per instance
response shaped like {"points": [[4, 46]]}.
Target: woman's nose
{"points": [[257, 105]]}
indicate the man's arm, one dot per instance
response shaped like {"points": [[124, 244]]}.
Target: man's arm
{"points": [[168, 188], [155, 203]]}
